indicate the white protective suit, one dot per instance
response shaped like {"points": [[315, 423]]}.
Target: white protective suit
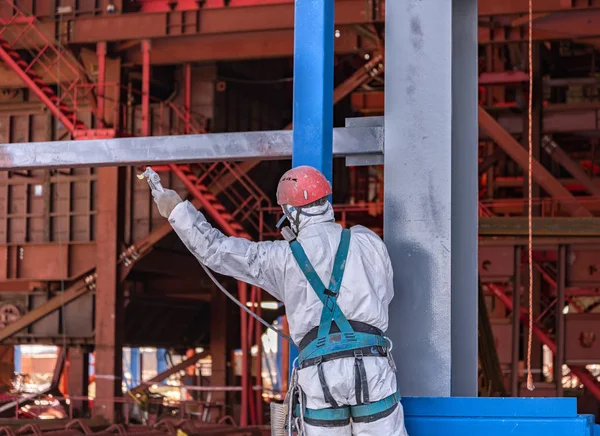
{"points": [[365, 294]]}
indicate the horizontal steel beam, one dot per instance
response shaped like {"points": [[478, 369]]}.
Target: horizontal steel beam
{"points": [[518, 226], [540, 174], [558, 117], [227, 47], [267, 145]]}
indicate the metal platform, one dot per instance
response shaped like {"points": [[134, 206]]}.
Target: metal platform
{"points": [[430, 416]]}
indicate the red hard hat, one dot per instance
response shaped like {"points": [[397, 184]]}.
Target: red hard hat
{"points": [[301, 186]]}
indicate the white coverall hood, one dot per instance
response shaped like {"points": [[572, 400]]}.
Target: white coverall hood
{"points": [[365, 293], [309, 215]]}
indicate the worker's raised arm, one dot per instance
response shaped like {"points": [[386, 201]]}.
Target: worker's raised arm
{"points": [[257, 263]]}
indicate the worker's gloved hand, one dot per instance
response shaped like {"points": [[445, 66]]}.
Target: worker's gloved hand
{"points": [[166, 201]]}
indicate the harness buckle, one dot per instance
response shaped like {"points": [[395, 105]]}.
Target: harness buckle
{"points": [[330, 293], [358, 354]]}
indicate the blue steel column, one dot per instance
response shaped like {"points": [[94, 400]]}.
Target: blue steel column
{"points": [[313, 84], [417, 214], [313, 90]]}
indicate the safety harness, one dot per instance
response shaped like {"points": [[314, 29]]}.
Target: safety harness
{"points": [[336, 338]]}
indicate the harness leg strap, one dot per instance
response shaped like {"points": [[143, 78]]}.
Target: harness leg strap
{"points": [[326, 392], [376, 410], [361, 385]]}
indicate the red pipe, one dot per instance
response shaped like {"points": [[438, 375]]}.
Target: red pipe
{"points": [[145, 87], [187, 97], [581, 373], [37, 91], [243, 295], [101, 52]]}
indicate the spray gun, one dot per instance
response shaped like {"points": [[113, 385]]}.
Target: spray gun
{"points": [[153, 179]]}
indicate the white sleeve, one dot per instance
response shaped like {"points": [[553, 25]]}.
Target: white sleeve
{"points": [[389, 274], [257, 263]]}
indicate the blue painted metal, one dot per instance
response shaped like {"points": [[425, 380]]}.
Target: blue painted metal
{"points": [[135, 367], [18, 359], [92, 365], [313, 84], [293, 355], [496, 416], [161, 361], [313, 90]]}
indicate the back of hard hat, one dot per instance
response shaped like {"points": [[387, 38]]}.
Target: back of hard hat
{"points": [[301, 186]]}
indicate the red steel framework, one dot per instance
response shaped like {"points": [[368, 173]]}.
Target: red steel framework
{"points": [[55, 62], [35, 58]]}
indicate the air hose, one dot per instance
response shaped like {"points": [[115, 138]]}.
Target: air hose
{"points": [[153, 180]]}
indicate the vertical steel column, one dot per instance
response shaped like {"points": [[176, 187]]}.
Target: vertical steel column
{"points": [[101, 52], [465, 182], [109, 304], [243, 296], [559, 356], [78, 377], [145, 87], [187, 96], [313, 84], [516, 304], [313, 90], [417, 215]]}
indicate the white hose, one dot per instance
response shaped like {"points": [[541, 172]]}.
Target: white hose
{"points": [[153, 180], [239, 303]]}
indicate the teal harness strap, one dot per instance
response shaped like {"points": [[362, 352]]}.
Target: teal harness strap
{"points": [[360, 413], [363, 411], [347, 342], [327, 296], [331, 311], [338, 342]]}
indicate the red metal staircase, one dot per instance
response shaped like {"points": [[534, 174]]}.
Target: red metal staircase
{"points": [[243, 198], [40, 61]]}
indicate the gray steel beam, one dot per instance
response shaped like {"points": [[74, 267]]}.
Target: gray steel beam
{"points": [[277, 144], [417, 214], [464, 199]]}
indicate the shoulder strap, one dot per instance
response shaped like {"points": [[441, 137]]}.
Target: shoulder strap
{"points": [[331, 311], [327, 296]]}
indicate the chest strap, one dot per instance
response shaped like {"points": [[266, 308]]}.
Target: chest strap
{"points": [[328, 296], [344, 340]]}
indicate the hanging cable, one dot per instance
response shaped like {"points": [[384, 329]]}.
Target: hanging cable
{"points": [[530, 385], [153, 180], [241, 305]]}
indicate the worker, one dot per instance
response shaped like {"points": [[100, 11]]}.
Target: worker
{"points": [[336, 286]]}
